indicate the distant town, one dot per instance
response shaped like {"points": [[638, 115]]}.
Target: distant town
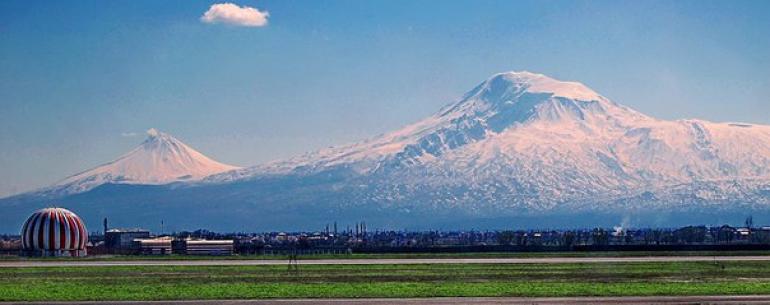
{"points": [[358, 238]]}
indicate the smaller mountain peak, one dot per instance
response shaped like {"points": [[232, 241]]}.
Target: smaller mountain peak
{"points": [[152, 132], [160, 159], [157, 136]]}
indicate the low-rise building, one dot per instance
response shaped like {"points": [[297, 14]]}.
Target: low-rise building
{"points": [[154, 246], [203, 247], [123, 239]]}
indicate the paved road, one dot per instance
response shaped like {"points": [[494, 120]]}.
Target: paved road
{"points": [[761, 299], [379, 261]]}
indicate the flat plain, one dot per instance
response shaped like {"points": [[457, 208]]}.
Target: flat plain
{"points": [[103, 283]]}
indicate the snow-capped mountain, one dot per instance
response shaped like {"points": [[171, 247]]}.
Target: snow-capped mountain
{"points": [[525, 141], [160, 159], [519, 148]]}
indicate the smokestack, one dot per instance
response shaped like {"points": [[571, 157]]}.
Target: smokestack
{"points": [[105, 225]]}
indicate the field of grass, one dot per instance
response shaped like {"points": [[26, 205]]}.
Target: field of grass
{"points": [[405, 255], [423, 280]]}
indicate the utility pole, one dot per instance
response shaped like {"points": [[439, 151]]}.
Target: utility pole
{"points": [[293, 262]]}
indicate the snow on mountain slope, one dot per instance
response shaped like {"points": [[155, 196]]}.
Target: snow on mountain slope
{"points": [[520, 149], [524, 140], [160, 159]]}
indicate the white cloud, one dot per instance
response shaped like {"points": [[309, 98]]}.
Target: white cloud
{"points": [[235, 15], [129, 134]]}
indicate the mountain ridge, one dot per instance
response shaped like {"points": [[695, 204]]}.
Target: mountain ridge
{"points": [[542, 148], [520, 145], [553, 112]]}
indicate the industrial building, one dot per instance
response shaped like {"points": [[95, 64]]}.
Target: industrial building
{"points": [[141, 242], [54, 232], [154, 246], [203, 247], [123, 239]]}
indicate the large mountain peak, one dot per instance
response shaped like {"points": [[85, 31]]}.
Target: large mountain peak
{"points": [[160, 159], [512, 84], [510, 99], [499, 113]]}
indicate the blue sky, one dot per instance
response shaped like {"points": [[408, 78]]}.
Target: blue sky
{"points": [[80, 82]]}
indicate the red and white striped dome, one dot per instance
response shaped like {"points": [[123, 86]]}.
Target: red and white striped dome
{"points": [[54, 231]]}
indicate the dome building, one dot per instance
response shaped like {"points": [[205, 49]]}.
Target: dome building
{"points": [[54, 232]]}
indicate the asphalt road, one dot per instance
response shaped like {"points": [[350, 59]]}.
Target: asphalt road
{"points": [[760, 299], [379, 261]]}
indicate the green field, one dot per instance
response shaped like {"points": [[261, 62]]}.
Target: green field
{"points": [[423, 280]]}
